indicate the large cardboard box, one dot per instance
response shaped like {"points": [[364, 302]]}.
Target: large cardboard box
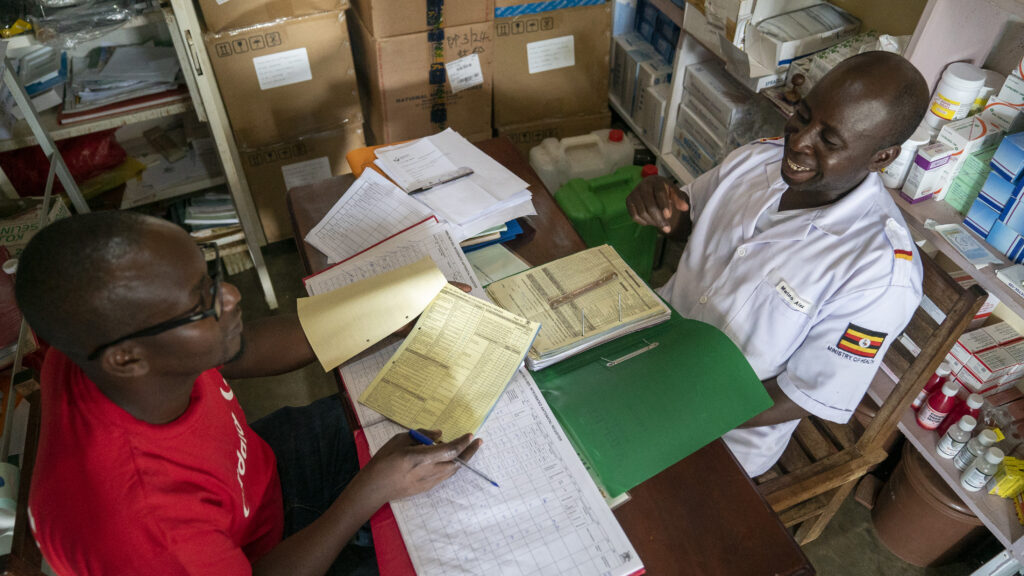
{"points": [[530, 134], [222, 15], [387, 18], [550, 62], [288, 78], [272, 170], [406, 81]]}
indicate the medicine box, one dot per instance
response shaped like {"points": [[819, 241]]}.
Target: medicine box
{"points": [[1003, 115], [650, 112], [779, 40], [620, 48], [652, 72], [688, 122], [694, 152], [997, 192], [1007, 241], [725, 100], [1012, 91], [1008, 160], [631, 85], [927, 173], [984, 338], [990, 365], [980, 218]]}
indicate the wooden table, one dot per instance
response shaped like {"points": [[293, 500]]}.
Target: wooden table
{"points": [[701, 516]]}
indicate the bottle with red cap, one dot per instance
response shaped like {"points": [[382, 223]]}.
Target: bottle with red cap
{"points": [[939, 378], [648, 170], [970, 407], [938, 406]]}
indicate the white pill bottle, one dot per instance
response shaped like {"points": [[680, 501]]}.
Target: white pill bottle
{"points": [[955, 93]]}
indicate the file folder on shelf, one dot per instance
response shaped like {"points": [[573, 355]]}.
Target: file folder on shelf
{"points": [[636, 405]]}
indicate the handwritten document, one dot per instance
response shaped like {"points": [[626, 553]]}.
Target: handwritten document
{"points": [[343, 322], [453, 366], [548, 517], [371, 210]]}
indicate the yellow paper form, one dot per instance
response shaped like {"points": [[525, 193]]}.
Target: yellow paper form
{"points": [[346, 321], [452, 368], [584, 295]]}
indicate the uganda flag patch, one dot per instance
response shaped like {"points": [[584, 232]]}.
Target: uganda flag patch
{"points": [[860, 341]]}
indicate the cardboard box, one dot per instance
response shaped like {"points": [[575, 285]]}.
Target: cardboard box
{"points": [[387, 18], [650, 112], [727, 102], [530, 134], [779, 40], [927, 174], [272, 170], [221, 15], [551, 63], [285, 79], [406, 83]]}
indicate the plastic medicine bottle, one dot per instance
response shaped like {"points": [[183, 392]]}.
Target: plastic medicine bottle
{"points": [[938, 406], [970, 407], [975, 477], [939, 378], [955, 94], [966, 456], [956, 438]]}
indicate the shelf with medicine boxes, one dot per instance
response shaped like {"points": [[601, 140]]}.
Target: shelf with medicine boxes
{"points": [[177, 25], [996, 513]]}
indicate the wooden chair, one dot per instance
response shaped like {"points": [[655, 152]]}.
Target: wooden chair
{"points": [[824, 460]]}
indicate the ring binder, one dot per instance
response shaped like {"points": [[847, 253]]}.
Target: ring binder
{"points": [[633, 354]]}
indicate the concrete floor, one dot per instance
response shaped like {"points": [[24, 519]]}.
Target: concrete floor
{"points": [[848, 547]]}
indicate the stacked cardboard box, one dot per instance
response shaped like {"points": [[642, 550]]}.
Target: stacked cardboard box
{"points": [[989, 359], [289, 88], [551, 60], [425, 66]]}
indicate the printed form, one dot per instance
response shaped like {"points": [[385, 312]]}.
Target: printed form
{"points": [[547, 518], [453, 366], [371, 210]]}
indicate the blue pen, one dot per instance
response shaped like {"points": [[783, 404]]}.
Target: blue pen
{"points": [[428, 442]]}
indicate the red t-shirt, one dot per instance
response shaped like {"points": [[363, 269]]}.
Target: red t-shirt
{"points": [[115, 495]]}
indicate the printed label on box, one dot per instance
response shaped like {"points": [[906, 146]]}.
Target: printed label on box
{"points": [[283, 68], [307, 172], [551, 54], [221, 2], [465, 73]]}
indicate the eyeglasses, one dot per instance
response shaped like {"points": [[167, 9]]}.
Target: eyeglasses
{"points": [[214, 310]]}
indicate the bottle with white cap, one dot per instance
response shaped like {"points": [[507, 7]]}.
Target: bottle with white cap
{"points": [[938, 406], [969, 407], [955, 94], [956, 437], [966, 456], [895, 174], [975, 477]]}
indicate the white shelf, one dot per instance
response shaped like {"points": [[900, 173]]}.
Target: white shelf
{"points": [[632, 124], [22, 135], [677, 169], [943, 213]]}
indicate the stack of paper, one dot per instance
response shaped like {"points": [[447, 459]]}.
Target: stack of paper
{"points": [[581, 301], [114, 79], [42, 72], [463, 186]]}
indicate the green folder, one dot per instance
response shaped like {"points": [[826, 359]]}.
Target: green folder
{"points": [[631, 420]]}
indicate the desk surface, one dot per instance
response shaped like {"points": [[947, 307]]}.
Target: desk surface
{"points": [[701, 516]]}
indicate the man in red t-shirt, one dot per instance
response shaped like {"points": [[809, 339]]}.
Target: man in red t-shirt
{"points": [[146, 464]]}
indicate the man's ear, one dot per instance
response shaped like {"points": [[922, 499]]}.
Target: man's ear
{"points": [[883, 158], [125, 360]]}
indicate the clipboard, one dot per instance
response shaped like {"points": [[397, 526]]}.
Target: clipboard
{"points": [[636, 405]]}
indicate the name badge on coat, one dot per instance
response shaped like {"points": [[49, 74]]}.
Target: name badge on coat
{"points": [[791, 298]]}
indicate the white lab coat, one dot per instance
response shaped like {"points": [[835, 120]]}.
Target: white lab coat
{"points": [[807, 300]]}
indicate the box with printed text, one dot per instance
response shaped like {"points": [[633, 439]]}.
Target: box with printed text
{"points": [[220, 15]]}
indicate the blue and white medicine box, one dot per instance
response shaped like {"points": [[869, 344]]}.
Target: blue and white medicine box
{"points": [[980, 218], [996, 192], [1008, 161], [1005, 240], [1013, 213]]}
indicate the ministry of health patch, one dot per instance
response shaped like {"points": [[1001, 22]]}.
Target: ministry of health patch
{"points": [[861, 341]]}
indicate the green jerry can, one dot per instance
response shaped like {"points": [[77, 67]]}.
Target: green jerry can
{"points": [[597, 210]]}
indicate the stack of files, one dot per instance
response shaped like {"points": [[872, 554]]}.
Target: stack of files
{"points": [[581, 301], [42, 72], [163, 179], [115, 79], [210, 210], [547, 516], [463, 186]]}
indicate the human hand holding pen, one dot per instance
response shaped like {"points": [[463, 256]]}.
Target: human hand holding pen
{"points": [[404, 467], [419, 437]]}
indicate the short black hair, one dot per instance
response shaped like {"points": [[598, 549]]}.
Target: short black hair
{"points": [[63, 272]]}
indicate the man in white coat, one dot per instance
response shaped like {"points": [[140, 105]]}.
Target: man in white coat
{"points": [[797, 252]]}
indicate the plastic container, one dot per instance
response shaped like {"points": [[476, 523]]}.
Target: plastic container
{"points": [[895, 174], [919, 518], [588, 156], [938, 406], [970, 407], [939, 378], [974, 478], [597, 210], [955, 93], [966, 456], [955, 438]]}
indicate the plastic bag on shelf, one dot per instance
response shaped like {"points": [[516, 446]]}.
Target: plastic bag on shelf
{"points": [[86, 156], [69, 26]]}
